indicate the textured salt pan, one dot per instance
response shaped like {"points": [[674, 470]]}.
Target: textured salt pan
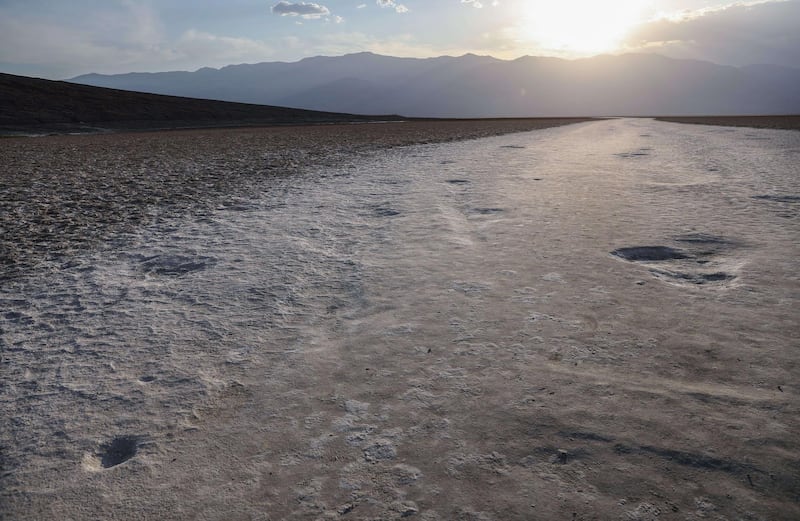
{"points": [[381, 342]]}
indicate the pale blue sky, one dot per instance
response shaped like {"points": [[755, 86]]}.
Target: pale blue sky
{"points": [[60, 39]]}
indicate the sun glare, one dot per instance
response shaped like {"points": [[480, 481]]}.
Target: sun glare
{"points": [[580, 26]]}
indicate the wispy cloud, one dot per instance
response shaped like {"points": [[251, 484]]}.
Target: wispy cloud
{"points": [[478, 4], [742, 33], [197, 45], [119, 37], [308, 10], [134, 41], [400, 8]]}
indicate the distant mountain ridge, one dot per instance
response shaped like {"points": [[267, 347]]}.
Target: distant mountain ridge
{"points": [[482, 86]]}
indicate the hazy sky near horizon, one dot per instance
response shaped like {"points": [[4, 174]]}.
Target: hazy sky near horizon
{"points": [[59, 39]]}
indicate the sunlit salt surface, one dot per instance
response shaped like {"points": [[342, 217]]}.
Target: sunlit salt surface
{"points": [[524, 243]]}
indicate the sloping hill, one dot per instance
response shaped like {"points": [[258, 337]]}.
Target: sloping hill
{"points": [[35, 105]]}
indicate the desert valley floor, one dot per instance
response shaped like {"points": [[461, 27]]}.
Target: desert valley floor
{"points": [[589, 322]]}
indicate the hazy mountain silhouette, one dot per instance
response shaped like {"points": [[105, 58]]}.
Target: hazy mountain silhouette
{"points": [[482, 86]]}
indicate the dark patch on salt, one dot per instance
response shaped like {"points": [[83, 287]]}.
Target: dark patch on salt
{"points": [[175, 265], [779, 198], [589, 436], [695, 278], [457, 181], [487, 211], [649, 253], [717, 277], [688, 459], [382, 211], [239, 207], [700, 461], [119, 450], [642, 152], [15, 317]]}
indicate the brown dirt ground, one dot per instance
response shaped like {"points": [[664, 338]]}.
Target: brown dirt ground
{"points": [[777, 122]]}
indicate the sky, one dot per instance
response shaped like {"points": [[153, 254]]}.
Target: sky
{"points": [[60, 39]]}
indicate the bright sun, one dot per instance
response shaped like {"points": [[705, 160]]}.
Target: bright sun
{"points": [[580, 26]]}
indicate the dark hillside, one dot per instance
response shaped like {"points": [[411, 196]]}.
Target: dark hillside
{"points": [[35, 105]]}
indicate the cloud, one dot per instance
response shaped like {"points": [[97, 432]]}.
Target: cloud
{"points": [[198, 46], [400, 8], [132, 39], [305, 10], [736, 34], [56, 50], [478, 4]]}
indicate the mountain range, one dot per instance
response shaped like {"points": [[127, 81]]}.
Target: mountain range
{"points": [[482, 86]]}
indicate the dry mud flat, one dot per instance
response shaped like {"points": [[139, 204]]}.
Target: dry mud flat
{"points": [[596, 321]]}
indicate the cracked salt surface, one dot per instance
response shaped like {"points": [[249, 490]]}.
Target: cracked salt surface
{"points": [[423, 335], [172, 311]]}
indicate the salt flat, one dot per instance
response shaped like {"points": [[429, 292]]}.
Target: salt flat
{"points": [[596, 321]]}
